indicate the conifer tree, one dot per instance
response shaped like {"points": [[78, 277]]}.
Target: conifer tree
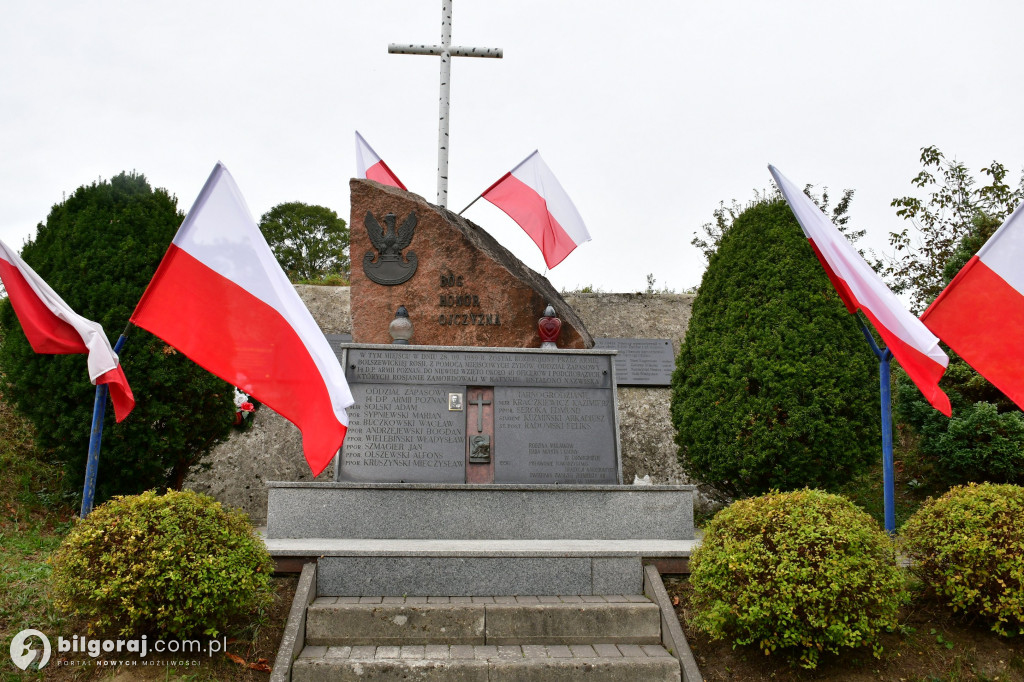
{"points": [[774, 386], [98, 249]]}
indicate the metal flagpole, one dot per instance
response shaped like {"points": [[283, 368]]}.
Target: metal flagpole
{"points": [[470, 204], [92, 465], [884, 355]]}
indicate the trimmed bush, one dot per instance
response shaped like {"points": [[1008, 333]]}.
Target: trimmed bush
{"points": [[796, 573], [968, 548], [775, 387], [175, 565]]}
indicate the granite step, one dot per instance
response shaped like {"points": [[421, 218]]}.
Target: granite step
{"points": [[607, 662], [420, 567], [409, 511], [470, 576], [563, 620]]}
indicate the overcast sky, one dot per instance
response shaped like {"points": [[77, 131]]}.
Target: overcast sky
{"points": [[649, 112]]}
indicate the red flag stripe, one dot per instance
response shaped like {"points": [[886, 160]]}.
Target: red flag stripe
{"points": [[921, 369], [53, 328], [120, 393], [46, 332], [860, 288], [530, 211], [231, 333], [981, 317], [382, 174]]}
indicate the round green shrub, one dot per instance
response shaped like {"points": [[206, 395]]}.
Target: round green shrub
{"points": [[775, 387], [968, 548], [798, 573], [174, 565]]}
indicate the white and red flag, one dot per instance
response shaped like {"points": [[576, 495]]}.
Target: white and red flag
{"points": [[220, 297], [52, 327], [532, 196], [370, 166], [980, 314], [860, 288]]}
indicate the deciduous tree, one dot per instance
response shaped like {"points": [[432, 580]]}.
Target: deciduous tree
{"points": [[955, 203], [310, 242]]}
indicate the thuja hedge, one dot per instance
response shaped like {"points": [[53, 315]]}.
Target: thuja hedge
{"points": [[775, 386]]}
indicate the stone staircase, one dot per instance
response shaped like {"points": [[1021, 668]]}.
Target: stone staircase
{"points": [[605, 637], [483, 547]]}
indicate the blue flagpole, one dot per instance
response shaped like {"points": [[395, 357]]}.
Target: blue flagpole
{"points": [[99, 408], [884, 355]]}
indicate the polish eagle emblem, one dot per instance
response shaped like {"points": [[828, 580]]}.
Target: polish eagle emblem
{"points": [[388, 266]]}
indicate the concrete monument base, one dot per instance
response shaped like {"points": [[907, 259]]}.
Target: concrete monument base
{"points": [[476, 540]]}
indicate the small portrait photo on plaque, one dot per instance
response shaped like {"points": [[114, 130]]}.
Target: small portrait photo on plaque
{"points": [[455, 402]]}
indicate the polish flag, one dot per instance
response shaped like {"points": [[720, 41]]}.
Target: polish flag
{"points": [[220, 297], [532, 196], [52, 327], [371, 167], [860, 288], [980, 314]]}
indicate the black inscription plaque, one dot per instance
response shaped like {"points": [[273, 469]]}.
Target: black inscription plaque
{"points": [[405, 433], [385, 366], [641, 362], [553, 415], [554, 435]]}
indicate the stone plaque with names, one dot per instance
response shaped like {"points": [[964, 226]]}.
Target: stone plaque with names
{"points": [[404, 433], [553, 436], [439, 415], [641, 362]]}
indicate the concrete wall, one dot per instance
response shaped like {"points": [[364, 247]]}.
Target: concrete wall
{"points": [[271, 450]]}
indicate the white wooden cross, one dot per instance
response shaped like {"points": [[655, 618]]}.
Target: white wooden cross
{"points": [[446, 52]]}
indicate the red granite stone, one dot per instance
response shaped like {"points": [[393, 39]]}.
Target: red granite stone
{"points": [[467, 289]]}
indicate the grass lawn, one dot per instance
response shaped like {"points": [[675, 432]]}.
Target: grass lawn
{"points": [[34, 518]]}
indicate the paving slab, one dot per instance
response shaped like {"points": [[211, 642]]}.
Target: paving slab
{"points": [[568, 622], [464, 663], [397, 623]]}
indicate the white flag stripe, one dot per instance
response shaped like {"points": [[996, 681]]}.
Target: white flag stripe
{"points": [[1003, 253], [101, 357], [864, 282], [365, 156], [220, 232], [534, 173]]}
